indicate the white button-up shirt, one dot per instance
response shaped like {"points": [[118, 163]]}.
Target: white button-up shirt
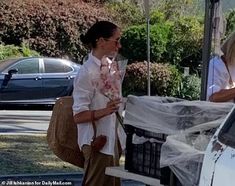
{"points": [[87, 97], [218, 76]]}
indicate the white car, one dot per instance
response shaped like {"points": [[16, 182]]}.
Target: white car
{"points": [[218, 168]]}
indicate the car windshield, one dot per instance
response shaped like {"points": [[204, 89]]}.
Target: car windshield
{"points": [[6, 63]]}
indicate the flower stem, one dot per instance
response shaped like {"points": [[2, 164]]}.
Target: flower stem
{"points": [[120, 119]]}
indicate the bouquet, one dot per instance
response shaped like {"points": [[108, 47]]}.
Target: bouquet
{"points": [[112, 73]]}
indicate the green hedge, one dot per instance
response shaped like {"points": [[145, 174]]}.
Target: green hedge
{"points": [[134, 42], [179, 42], [165, 79], [11, 51], [184, 45]]}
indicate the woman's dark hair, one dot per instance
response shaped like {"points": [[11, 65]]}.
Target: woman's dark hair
{"points": [[100, 29]]}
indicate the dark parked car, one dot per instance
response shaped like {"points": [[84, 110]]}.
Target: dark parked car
{"points": [[36, 80]]}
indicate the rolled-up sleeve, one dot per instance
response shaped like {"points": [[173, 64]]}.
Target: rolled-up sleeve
{"points": [[83, 91]]}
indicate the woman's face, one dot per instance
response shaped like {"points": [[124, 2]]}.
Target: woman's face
{"points": [[112, 45]]}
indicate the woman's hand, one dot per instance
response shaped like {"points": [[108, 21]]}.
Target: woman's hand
{"points": [[113, 106]]}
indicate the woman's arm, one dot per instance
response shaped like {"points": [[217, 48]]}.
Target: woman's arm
{"points": [[223, 95], [218, 79], [86, 116]]}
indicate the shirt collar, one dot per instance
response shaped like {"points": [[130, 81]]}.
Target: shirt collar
{"points": [[95, 59]]}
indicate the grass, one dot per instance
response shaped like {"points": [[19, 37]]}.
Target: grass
{"points": [[29, 155]]}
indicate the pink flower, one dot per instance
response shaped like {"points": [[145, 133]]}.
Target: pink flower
{"points": [[111, 76], [109, 83], [110, 80]]}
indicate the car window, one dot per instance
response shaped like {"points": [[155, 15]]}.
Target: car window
{"points": [[28, 66], [56, 66], [227, 132], [5, 63]]}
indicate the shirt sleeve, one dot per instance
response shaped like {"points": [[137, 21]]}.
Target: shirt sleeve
{"points": [[83, 91], [217, 77]]}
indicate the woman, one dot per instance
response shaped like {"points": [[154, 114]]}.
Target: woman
{"points": [[221, 76], [103, 38]]}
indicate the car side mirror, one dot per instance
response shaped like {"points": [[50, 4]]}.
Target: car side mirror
{"points": [[12, 71], [8, 76]]}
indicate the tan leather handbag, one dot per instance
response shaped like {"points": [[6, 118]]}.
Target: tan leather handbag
{"points": [[62, 133]]}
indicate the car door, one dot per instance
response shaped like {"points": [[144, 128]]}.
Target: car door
{"points": [[219, 160], [57, 78], [26, 84]]}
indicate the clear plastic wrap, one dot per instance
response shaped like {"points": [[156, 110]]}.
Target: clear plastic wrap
{"points": [[189, 125], [183, 153], [169, 115]]}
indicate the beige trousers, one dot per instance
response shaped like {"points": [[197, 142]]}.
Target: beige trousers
{"points": [[95, 172]]}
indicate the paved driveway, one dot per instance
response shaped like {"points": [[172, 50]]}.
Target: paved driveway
{"points": [[24, 121]]}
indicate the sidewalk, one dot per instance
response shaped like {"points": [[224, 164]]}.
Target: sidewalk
{"points": [[24, 122]]}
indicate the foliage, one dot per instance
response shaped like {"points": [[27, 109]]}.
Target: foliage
{"points": [[134, 42], [126, 13], [157, 16], [26, 51], [178, 42], [173, 9], [164, 78], [190, 88], [185, 43], [51, 27], [11, 51], [230, 19]]}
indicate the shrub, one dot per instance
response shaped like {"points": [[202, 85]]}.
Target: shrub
{"points": [[51, 27], [190, 88], [134, 42], [185, 43], [230, 18], [126, 13], [11, 51], [173, 9], [164, 78], [157, 17]]}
